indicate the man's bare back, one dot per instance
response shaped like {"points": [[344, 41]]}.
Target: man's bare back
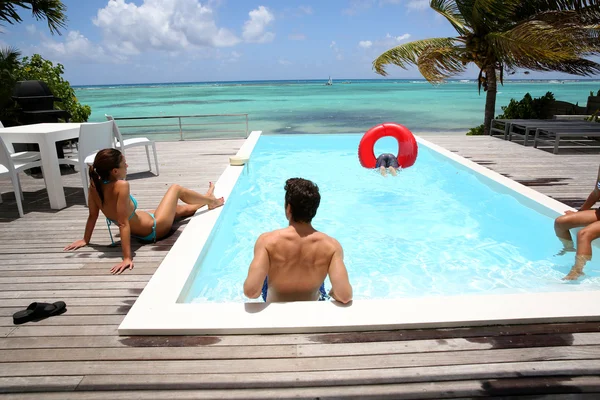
{"points": [[297, 259], [299, 263]]}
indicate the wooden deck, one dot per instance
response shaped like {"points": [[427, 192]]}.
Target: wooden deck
{"points": [[78, 355]]}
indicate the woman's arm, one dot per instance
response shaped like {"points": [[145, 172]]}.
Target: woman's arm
{"points": [[124, 228], [593, 197], [94, 210]]}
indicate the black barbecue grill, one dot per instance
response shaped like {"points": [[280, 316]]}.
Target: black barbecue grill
{"points": [[36, 105]]}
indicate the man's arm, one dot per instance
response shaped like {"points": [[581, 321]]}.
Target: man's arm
{"points": [[259, 268], [341, 290]]}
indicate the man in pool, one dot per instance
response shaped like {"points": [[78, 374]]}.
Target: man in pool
{"points": [[387, 160], [587, 218], [292, 263]]}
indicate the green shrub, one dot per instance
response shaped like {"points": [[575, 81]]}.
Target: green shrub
{"points": [[478, 130], [37, 68], [526, 108]]}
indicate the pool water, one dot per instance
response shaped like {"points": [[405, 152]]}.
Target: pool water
{"points": [[438, 228]]}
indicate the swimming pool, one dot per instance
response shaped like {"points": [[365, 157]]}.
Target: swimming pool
{"points": [[445, 243]]}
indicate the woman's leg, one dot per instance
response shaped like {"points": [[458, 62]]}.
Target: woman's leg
{"points": [[584, 249], [565, 222], [168, 209]]}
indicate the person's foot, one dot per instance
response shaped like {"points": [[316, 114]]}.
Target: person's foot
{"points": [[573, 275], [216, 203], [211, 189], [564, 251]]}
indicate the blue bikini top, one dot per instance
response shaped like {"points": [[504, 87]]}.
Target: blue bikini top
{"points": [[133, 200]]}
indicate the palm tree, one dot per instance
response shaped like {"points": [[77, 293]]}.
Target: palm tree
{"points": [[54, 11], [499, 35]]}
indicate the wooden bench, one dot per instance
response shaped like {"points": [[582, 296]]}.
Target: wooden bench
{"points": [[562, 132]]}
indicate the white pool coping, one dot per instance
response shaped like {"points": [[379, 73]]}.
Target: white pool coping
{"points": [[157, 312]]}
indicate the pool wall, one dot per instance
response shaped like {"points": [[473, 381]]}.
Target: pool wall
{"points": [[159, 309]]}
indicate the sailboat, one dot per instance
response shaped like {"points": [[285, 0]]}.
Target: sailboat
{"points": [[329, 82]]}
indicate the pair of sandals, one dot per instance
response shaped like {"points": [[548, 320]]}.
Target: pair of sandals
{"points": [[38, 311]]}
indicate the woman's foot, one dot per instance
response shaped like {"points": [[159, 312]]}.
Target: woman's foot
{"points": [[216, 203], [211, 189]]}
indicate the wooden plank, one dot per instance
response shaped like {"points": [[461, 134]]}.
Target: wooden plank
{"points": [[75, 301], [42, 331], [76, 310], [116, 283], [148, 353], [377, 376], [104, 277], [138, 270], [66, 319], [39, 384], [433, 390], [64, 294], [227, 366]]}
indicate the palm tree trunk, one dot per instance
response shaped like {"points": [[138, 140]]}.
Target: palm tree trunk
{"points": [[490, 99]]}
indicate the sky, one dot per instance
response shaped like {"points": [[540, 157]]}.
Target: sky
{"points": [[145, 41]]}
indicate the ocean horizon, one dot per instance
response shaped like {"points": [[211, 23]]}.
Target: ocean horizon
{"points": [[309, 106]]}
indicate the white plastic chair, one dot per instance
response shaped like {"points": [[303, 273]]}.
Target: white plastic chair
{"points": [[11, 167], [21, 156], [93, 137], [133, 142]]}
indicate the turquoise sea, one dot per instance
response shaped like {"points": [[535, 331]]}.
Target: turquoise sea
{"points": [[347, 106]]}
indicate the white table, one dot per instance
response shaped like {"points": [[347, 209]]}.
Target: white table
{"points": [[46, 135]]}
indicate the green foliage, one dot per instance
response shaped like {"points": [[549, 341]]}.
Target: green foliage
{"points": [[526, 108], [592, 93], [37, 68], [477, 131], [9, 63]]}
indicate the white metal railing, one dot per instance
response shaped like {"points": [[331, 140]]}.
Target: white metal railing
{"points": [[206, 126]]}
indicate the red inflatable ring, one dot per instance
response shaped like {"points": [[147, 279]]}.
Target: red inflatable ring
{"points": [[407, 145]]}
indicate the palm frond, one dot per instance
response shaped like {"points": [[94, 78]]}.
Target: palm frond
{"points": [[449, 10], [408, 53], [579, 66], [535, 41], [489, 14], [436, 64], [54, 11]]}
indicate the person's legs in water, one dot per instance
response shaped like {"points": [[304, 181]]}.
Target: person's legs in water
{"points": [[571, 220], [393, 164], [584, 249], [168, 210], [382, 171]]}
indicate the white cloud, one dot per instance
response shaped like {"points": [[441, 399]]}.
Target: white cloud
{"points": [[398, 38], [255, 28], [31, 29], [75, 46], [417, 4], [336, 51], [297, 36], [284, 62], [305, 10], [387, 42], [357, 6], [167, 25]]}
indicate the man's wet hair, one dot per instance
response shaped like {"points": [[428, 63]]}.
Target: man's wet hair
{"points": [[303, 197]]}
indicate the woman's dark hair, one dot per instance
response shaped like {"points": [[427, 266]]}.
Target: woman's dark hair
{"points": [[303, 197], [106, 160]]}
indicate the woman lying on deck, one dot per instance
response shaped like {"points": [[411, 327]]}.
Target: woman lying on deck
{"points": [[590, 220], [109, 193]]}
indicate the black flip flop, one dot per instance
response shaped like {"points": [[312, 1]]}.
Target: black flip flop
{"points": [[39, 311]]}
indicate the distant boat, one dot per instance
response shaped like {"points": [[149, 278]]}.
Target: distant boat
{"points": [[329, 82]]}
